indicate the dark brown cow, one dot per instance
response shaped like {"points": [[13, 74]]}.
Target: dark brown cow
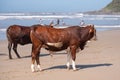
{"points": [[54, 39], [17, 34]]}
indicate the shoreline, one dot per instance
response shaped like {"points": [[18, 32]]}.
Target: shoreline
{"points": [[100, 60], [98, 28]]}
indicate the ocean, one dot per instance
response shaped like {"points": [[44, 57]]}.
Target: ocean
{"points": [[101, 22]]}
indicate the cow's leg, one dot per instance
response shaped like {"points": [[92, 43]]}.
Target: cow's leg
{"points": [[73, 65], [38, 62], [9, 48], [68, 58], [15, 50], [35, 57], [51, 53], [73, 54]]}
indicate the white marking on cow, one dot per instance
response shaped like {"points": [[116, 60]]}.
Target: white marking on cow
{"points": [[58, 44], [68, 59], [33, 67], [39, 68], [73, 65]]}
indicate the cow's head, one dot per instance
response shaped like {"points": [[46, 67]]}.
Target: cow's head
{"points": [[92, 31]]}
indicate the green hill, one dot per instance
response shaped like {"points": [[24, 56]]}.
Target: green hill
{"points": [[111, 8]]}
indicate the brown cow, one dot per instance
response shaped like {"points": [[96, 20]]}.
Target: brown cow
{"points": [[17, 34], [54, 39]]}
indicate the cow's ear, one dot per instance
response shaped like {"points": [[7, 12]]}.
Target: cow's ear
{"points": [[91, 30]]}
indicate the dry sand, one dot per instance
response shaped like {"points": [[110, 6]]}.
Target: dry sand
{"points": [[100, 60]]}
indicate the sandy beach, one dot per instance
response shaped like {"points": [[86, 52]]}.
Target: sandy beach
{"points": [[100, 60]]}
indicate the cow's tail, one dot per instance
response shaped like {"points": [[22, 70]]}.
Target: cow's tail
{"points": [[8, 35], [34, 35], [9, 42]]}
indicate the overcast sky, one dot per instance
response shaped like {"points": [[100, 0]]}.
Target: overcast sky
{"points": [[51, 5]]}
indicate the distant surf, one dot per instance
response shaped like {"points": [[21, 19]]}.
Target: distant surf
{"points": [[4, 16], [101, 22]]}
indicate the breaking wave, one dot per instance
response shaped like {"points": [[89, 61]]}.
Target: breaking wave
{"points": [[33, 16], [4, 16]]}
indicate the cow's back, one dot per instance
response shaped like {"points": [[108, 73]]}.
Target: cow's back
{"points": [[48, 34], [19, 34]]}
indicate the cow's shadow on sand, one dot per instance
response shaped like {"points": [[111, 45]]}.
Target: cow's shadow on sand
{"points": [[41, 55], [3, 54], [79, 67], [44, 55]]}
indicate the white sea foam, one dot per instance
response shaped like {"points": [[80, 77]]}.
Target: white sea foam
{"points": [[88, 17], [110, 26], [2, 30], [12, 14], [4, 16], [38, 17], [102, 17], [96, 26]]}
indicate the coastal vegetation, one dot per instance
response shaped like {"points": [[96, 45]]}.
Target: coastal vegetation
{"points": [[112, 8]]}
